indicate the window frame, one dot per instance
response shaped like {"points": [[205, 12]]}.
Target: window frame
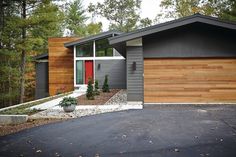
{"points": [[93, 58], [113, 54], [85, 44]]}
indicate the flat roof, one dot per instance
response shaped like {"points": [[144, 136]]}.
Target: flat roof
{"points": [[41, 56], [91, 38]]}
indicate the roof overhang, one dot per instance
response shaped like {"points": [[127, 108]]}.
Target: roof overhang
{"points": [[92, 38], [41, 56], [115, 41]]}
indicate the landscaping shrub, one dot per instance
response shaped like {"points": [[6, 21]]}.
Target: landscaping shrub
{"points": [[68, 101], [96, 88], [105, 87], [89, 93]]}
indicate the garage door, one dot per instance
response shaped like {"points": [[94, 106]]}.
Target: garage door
{"points": [[189, 80]]}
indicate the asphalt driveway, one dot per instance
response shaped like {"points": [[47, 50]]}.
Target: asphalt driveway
{"points": [[171, 131]]}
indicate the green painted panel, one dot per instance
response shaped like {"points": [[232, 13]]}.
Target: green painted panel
{"points": [[79, 72]]}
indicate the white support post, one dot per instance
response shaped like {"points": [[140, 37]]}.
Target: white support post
{"points": [[74, 66], [94, 65]]}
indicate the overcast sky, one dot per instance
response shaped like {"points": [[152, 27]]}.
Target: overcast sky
{"points": [[149, 8]]}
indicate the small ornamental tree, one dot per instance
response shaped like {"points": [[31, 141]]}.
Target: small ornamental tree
{"points": [[96, 88], [89, 93], [105, 87]]}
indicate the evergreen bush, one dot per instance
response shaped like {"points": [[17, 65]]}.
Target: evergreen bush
{"points": [[96, 88], [105, 87], [89, 93]]}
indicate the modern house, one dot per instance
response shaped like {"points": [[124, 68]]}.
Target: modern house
{"points": [[189, 60], [92, 57]]}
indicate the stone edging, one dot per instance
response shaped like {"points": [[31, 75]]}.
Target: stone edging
{"points": [[103, 107], [13, 119]]}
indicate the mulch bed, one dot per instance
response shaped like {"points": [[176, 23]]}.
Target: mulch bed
{"points": [[99, 99], [9, 129]]}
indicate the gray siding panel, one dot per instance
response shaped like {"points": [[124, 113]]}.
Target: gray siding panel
{"points": [[191, 41], [116, 53], [116, 71], [134, 78], [41, 80]]}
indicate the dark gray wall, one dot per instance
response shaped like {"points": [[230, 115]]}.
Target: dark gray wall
{"points": [[116, 71], [196, 40], [41, 80], [134, 78]]}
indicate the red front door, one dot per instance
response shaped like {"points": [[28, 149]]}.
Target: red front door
{"points": [[88, 71]]}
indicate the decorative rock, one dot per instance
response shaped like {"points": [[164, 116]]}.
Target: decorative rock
{"points": [[120, 98], [116, 103]]}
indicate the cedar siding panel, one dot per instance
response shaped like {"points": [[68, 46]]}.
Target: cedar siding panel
{"points": [[189, 80], [61, 73]]}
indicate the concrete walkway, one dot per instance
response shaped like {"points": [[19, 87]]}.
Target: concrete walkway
{"points": [[55, 102]]}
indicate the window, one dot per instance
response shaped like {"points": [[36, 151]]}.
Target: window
{"points": [[103, 49], [79, 72], [85, 50]]}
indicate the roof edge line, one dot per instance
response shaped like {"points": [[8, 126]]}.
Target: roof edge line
{"points": [[197, 17]]}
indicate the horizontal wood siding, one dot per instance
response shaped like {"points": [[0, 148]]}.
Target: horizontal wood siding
{"points": [[189, 80], [134, 78], [116, 71], [61, 75]]}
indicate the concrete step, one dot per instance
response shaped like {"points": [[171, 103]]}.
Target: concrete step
{"points": [[82, 88]]}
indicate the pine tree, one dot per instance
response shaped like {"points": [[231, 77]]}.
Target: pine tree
{"points": [[24, 28], [96, 88], [105, 87], [225, 9], [123, 15], [75, 19], [89, 93]]}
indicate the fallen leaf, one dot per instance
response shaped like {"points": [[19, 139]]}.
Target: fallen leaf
{"points": [[124, 136], [176, 150]]}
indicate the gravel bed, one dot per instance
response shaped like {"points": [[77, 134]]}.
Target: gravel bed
{"points": [[120, 98]]}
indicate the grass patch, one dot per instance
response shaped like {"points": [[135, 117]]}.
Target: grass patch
{"points": [[13, 128], [24, 109]]}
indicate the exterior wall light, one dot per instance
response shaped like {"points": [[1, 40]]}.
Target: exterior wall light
{"points": [[134, 66], [99, 66]]}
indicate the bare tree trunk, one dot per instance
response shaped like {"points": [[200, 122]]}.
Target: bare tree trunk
{"points": [[23, 56], [9, 85]]}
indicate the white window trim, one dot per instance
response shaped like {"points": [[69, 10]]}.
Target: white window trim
{"points": [[74, 66], [94, 58], [100, 58]]}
